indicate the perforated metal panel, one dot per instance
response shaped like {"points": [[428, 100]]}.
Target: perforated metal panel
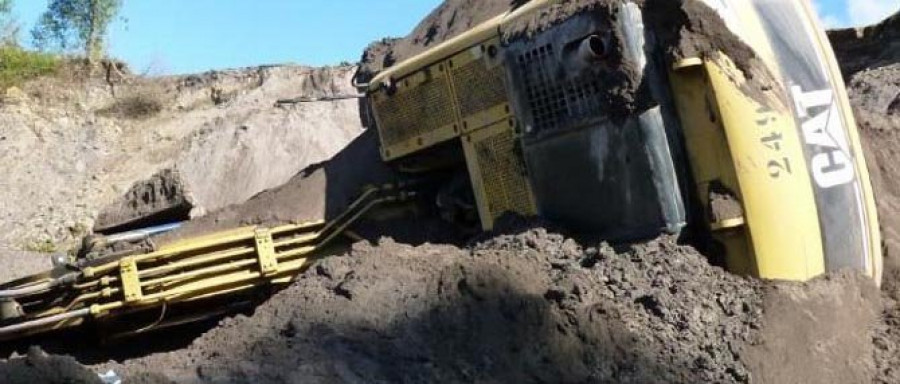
{"points": [[478, 88], [498, 173], [554, 101], [415, 110]]}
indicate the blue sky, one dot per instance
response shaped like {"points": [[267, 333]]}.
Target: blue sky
{"points": [[846, 13], [185, 36]]}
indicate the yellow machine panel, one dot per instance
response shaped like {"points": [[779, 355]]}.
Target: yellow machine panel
{"points": [[761, 162], [498, 175], [419, 111], [458, 94]]}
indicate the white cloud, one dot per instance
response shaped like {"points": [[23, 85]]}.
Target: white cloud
{"points": [[865, 12], [829, 20]]}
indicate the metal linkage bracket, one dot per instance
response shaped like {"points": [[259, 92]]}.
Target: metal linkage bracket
{"points": [[265, 250], [131, 282]]}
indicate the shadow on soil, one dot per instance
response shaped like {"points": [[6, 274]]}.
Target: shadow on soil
{"points": [[474, 324]]}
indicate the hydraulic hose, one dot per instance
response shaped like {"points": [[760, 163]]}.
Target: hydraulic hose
{"points": [[50, 320], [32, 289]]}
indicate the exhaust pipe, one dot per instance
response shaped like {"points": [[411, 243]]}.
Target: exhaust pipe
{"points": [[593, 48]]}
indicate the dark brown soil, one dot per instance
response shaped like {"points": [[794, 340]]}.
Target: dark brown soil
{"points": [[447, 21], [875, 93], [866, 48], [532, 307], [38, 367], [870, 59], [163, 198]]}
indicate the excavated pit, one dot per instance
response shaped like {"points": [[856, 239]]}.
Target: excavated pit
{"points": [[531, 305]]}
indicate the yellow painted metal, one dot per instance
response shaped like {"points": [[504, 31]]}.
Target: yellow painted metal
{"points": [[755, 151], [497, 173], [417, 113], [709, 155], [265, 252], [439, 102], [214, 257], [499, 112], [212, 266], [131, 283]]}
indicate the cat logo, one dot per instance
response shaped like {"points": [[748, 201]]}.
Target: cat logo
{"points": [[831, 163]]}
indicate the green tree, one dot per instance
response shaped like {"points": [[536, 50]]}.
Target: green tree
{"points": [[76, 25], [9, 26]]}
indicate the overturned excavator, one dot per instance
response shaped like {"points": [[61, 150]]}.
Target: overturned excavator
{"points": [[725, 121]]}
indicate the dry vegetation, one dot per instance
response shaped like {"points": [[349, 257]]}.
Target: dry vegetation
{"points": [[142, 103], [18, 65]]}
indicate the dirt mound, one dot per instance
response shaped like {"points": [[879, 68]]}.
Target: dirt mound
{"points": [[37, 367], [875, 93], [532, 307], [871, 47], [161, 198], [448, 20], [818, 332]]}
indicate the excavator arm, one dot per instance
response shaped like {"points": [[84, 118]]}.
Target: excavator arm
{"points": [[220, 265]]}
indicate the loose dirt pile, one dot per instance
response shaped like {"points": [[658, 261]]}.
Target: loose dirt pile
{"points": [[871, 47], [449, 19], [875, 93], [38, 367], [532, 307]]}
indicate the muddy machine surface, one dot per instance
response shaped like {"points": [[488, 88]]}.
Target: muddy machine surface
{"points": [[590, 119]]}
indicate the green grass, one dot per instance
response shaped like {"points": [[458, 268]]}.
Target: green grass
{"points": [[18, 66]]}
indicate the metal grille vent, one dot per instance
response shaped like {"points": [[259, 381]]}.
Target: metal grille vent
{"points": [[553, 100], [478, 87], [409, 113], [503, 174]]}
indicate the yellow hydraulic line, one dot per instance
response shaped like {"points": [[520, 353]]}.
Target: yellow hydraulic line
{"points": [[297, 227], [209, 242], [203, 285], [223, 268], [296, 252], [220, 268], [350, 209], [298, 240], [87, 296], [200, 272], [222, 280], [246, 278], [241, 234], [223, 292], [286, 268], [101, 309], [94, 283], [289, 267], [199, 260], [355, 217]]}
